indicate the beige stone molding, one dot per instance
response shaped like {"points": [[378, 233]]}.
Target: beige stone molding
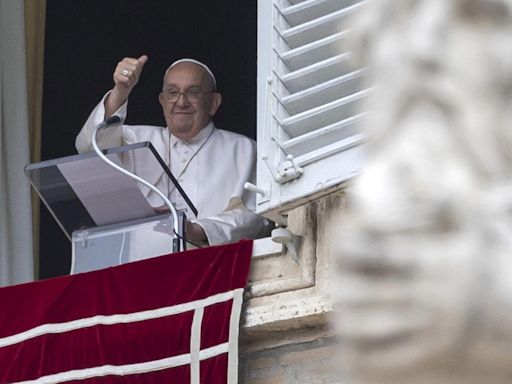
{"points": [[283, 295]]}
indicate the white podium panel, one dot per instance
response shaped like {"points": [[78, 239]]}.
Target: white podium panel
{"points": [[112, 245]]}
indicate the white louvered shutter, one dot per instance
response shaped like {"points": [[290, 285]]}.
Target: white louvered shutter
{"points": [[308, 95]]}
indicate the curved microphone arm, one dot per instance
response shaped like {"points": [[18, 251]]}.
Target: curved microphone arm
{"points": [[116, 120]]}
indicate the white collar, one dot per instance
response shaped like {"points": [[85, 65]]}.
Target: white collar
{"points": [[197, 140]]}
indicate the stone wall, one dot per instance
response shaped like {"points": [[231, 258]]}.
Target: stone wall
{"points": [[285, 331], [311, 362]]}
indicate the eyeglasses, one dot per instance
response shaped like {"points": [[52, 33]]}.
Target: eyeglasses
{"points": [[192, 94]]}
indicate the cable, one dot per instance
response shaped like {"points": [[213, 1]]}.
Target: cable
{"points": [[120, 258], [140, 180]]}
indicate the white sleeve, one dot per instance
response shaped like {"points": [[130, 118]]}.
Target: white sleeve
{"points": [[107, 138], [233, 225], [238, 220]]}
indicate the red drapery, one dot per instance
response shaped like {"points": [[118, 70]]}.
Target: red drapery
{"points": [[170, 319]]}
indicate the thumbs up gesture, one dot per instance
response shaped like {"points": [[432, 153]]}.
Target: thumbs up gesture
{"points": [[126, 75]]}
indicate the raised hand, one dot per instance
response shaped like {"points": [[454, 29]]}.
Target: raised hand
{"points": [[127, 72], [126, 75]]}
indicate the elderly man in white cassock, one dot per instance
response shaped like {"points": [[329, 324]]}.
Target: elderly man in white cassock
{"points": [[211, 164]]}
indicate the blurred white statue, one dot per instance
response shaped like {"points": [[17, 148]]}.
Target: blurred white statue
{"points": [[425, 248]]}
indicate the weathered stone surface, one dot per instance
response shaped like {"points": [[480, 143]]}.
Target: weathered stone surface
{"points": [[424, 292], [313, 362]]}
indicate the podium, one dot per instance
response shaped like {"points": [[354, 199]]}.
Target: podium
{"points": [[104, 213]]}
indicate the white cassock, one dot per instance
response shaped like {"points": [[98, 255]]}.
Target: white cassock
{"points": [[212, 169]]}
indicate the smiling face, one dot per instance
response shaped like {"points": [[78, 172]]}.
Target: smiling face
{"points": [[184, 117]]}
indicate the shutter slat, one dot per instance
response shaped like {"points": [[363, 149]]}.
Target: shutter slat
{"points": [[331, 149], [323, 93], [323, 115], [317, 29], [313, 52], [316, 73], [293, 2], [322, 137], [312, 9]]}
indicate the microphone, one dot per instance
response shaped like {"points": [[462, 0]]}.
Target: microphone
{"points": [[112, 120]]}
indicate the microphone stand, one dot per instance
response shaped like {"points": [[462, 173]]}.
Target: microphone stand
{"points": [[114, 120]]}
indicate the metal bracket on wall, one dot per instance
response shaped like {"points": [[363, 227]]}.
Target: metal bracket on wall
{"points": [[286, 171]]}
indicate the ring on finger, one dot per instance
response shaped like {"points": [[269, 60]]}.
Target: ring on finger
{"points": [[125, 72]]}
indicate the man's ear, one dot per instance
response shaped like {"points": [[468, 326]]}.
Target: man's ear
{"points": [[161, 99], [215, 103]]}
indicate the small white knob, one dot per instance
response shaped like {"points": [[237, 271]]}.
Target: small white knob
{"points": [[281, 236], [253, 188]]}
